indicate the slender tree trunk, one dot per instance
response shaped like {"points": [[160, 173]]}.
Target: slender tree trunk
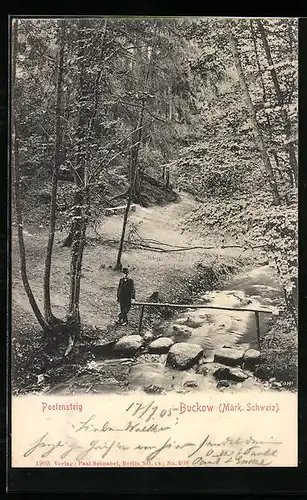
{"points": [[133, 179], [257, 132], [50, 318], [133, 171], [264, 99], [257, 60], [260, 73], [69, 238], [284, 115], [79, 222], [16, 186], [167, 183], [118, 265]]}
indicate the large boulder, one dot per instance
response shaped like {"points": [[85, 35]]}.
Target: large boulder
{"points": [[129, 344], [183, 355], [227, 356], [161, 345], [232, 374], [251, 358]]}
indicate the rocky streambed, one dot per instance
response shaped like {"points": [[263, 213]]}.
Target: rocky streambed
{"points": [[197, 350]]}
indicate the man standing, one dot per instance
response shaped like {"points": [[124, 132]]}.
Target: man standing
{"points": [[125, 294]]}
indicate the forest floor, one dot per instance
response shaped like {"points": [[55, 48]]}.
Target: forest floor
{"points": [[150, 270], [171, 274]]}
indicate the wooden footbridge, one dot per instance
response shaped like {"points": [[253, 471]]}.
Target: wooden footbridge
{"points": [[257, 312]]}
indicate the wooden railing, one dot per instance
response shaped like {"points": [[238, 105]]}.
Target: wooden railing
{"points": [[201, 306]]}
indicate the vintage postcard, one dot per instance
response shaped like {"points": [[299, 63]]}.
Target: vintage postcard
{"points": [[154, 167]]}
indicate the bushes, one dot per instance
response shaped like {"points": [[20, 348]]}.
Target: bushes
{"points": [[279, 349], [215, 169]]}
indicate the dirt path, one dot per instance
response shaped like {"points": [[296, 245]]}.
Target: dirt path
{"points": [[164, 224], [99, 282], [161, 223]]}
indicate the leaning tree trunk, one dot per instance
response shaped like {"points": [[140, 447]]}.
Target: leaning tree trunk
{"points": [[257, 132], [284, 115], [50, 318], [134, 173], [133, 181], [254, 38], [16, 187], [118, 265]]}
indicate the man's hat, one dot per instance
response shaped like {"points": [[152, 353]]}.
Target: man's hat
{"points": [[125, 270]]}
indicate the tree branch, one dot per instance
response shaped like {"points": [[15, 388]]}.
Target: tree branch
{"points": [[183, 249]]}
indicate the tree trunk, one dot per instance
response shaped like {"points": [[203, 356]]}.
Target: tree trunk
{"points": [[263, 100], [50, 318], [67, 242], [134, 175], [79, 218], [284, 115], [16, 186], [133, 192], [167, 183], [257, 132], [118, 265], [257, 60], [133, 171]]}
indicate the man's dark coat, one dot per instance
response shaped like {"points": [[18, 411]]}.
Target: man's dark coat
{"points": [[125, 291]]}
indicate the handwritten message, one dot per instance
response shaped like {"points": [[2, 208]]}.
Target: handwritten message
{"points": [[142, 431]]}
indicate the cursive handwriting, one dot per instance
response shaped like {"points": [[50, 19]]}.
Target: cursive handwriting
{"points": [[147, 436], [67, 448], [234, 451], [88, 426]]}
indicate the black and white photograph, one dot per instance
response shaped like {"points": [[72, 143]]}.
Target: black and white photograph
{"points": [[154, 165]]}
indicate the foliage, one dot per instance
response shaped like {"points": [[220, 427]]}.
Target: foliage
{"points": [[226, 169], [279, 349], [118, 52], [196, 120], [212, 169]]}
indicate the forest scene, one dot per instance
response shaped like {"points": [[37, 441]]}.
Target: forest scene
{"points": [[166, 147]]}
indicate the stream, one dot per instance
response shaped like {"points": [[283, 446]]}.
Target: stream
{"points": [[211, 329]]}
